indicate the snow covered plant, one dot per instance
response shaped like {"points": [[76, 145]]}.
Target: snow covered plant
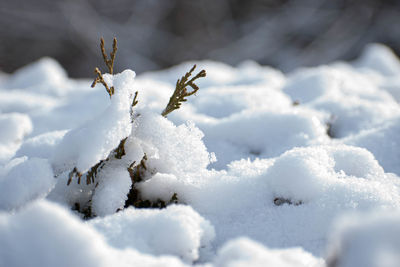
{"points": [[114, 151]]}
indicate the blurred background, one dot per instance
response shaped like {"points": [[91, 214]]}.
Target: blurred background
{"points": [[154, 34]]}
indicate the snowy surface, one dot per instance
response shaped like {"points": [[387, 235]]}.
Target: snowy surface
{"points": [[23, 180], [49, 235], [297, 169], [14, 127], [243, 252], [369, 240], [176, 230]]}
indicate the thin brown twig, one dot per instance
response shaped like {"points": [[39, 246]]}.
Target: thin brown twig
{"points": [[109, 62], [100, 79], [134, 101]]}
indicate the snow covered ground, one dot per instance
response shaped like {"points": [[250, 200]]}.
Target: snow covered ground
{"points": [[269, 169]]}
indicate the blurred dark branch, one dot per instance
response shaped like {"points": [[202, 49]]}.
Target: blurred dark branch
{"points": [[160, 33]]}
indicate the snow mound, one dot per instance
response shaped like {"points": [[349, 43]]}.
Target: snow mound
{"points": [[309, 186], [176, 230], [14, 127], [352, 100], [369, 240], [263, 134], [25, 102], [379, 58], [23, 180], [46, 234], [383, 142], [243, 252], [214, 103], [43, 76], [295, 152], [41, 146]]}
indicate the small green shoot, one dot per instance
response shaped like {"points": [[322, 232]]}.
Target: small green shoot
{"points": [[181, 91]]}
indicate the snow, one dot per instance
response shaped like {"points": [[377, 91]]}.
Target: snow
{"points": [[14, 127], [45, 76], [111, 194], [84, 146], [170, 148], [42, 145], [21, 101], [382, 141], [263, 134], [298, 169], [352, 99], [243, 252], [23, 180], [154, 231], [290, 200], [379, 58], [218, 73], [39, 234], [366, 240]]}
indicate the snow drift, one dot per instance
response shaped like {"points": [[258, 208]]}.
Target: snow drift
{"points": [[262, 166]]}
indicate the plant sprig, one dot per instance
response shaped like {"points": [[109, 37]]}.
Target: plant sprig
{"points": [[109, 63], [119, 151], [134, 103], [73, 173], [181, 91], [100, 79]]}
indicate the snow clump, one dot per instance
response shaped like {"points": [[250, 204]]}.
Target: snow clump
{"points": [[14, 127], [154, 231], [23, 180], [39, 232]]}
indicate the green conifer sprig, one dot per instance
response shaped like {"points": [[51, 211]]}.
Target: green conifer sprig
{"points": [[181, 91]]}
